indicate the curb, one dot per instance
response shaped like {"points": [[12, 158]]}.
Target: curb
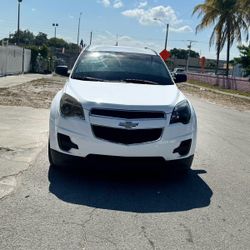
{"points": [[215, 91]]}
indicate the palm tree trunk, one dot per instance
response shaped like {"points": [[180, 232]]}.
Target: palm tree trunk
{"points": [[217, 59]]}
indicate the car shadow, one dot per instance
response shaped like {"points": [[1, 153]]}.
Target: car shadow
{"points": [[129, 190]]}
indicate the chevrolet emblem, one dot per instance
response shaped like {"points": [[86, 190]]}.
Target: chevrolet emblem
{"points": [[128, 125]]}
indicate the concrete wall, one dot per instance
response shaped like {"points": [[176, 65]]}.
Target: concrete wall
{"points": [[194, 64], [14, 60], [236, 83]]}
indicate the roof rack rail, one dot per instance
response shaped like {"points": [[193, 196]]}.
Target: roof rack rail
{"points": [[151, 50]]}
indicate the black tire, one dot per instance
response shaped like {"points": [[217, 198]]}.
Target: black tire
{"points": [[64, 161], [51, 160], [182, 166]]}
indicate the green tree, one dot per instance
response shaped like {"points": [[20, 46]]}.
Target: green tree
{"points": [[57, 43], [26, 37], [229, 17], [36, 51], [183, 54], [244, 58], [41, 39]]}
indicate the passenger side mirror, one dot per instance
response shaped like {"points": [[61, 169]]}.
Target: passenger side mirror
{"points": [[62, 70], [180, 78]]}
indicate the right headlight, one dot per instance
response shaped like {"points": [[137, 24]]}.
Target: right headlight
{"points": [[70, 107], [181, 113]]}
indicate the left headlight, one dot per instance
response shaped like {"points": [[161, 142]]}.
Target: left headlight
{"points": [[70, 107], [181, 113]]}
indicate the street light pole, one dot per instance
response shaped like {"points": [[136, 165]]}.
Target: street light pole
{"points": [[55, 25], [167, 30], [18, 22], [79, 25]]}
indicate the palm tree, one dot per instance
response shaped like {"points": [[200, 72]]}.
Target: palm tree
{"points": [[230, 18]]}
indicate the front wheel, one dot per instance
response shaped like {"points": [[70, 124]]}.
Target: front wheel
{"points": [[51, 160], [182, 165]]}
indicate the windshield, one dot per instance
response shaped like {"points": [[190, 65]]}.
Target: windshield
{"points": [[122, 67]]}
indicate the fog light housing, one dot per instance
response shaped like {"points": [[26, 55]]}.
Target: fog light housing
{"points": [[65, 142], [184, 147]]}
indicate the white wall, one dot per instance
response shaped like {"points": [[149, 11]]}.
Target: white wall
{"points": [[11, 60]]}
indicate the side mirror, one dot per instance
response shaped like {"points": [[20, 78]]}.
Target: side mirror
{"points": [[180, 78], [62, 70]]}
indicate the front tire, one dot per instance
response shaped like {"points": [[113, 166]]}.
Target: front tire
{"points": [[182, 166], [51, 160]]}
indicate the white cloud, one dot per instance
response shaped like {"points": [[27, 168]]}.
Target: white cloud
{"points": [[105, 3], [182, 29], [146, 17], [117, 4], [165, 13], [114, 3], [137, 13], [33, 9], [142, 4]]}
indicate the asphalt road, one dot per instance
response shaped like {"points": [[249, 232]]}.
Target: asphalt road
{"points": [[207, 209]]}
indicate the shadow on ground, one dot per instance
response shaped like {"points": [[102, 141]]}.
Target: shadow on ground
{"points": [[131, 191]]}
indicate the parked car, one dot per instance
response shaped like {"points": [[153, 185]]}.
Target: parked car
{"points": [[123, 102], [179, 74]]}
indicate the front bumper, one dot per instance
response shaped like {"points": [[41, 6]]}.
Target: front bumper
{"points": [[66, 160], [81, 134]]}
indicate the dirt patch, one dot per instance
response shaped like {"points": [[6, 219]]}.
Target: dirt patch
{"points": [[36, 94], [39, 94], [224, 100]]}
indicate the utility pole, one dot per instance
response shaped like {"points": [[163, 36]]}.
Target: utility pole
{"points": [[55, 25], [79, 25], [189, 51], [18, 22], [117, 42], [167, 30], [91, 37], [166, 40]]}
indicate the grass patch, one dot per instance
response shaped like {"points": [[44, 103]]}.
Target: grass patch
{"points": [[231, 91]]}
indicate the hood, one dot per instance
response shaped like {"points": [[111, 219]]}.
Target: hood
{"points": [[124, 95]]}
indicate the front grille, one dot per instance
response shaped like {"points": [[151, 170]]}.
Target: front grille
{"points": [[128, 114], [125, 136]]}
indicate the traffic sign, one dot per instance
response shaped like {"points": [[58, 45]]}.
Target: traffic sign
{"points": [[165, 55]]}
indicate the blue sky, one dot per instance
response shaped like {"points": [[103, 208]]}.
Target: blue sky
{"points": [[132, 20]]}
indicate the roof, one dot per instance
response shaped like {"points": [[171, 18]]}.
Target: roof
{"points": [[145, 50]]}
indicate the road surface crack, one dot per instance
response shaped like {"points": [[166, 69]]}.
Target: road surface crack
{"points": [[189, 233], [151, 243], [4, 150], [83, 224]]}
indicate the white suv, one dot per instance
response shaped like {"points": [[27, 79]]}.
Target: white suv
{"points": [[121, 102]]}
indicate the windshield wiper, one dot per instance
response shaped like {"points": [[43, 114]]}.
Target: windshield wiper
{"points": [[88, 78], [140, 81]]}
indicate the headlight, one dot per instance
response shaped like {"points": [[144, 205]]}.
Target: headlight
{"points": [[181, 113], [70, 107]]}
